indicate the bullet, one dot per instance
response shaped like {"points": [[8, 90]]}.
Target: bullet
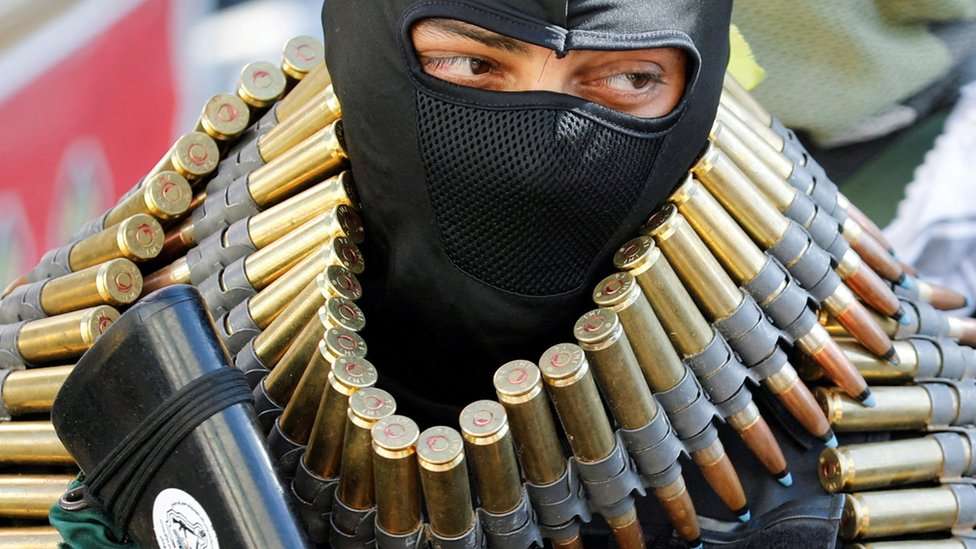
{"points": [[690, 333], [940, 297], [444, 479], [396, 476], [743, 260], [875, 370], [261, 229], [323, 456], [771, 230], [281, 382], [31, 443], [29, 537], [866, 223], [663, 371], [31, 391], [894, 463], [272, 343], [721, 299], [824, 229], [300, 55], [265, 306], [321, 110], [55, 338], [518, 385], [366, 407], [600, 334], [962, 329], [914, 511], [260, 85], [488, 445], [165, 196], [30, 496], [903, 408], [573, 391], [296, 419], [116, 282], [873, 253], [194, 156], [316, 80], [318, 155], [224, 117]]}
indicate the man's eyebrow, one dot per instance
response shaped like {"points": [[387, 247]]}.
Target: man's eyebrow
{"points": [[472, 32]]}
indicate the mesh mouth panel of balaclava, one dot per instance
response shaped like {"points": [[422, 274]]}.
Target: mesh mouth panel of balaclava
{"points": [[527, 223], [491, 215]]}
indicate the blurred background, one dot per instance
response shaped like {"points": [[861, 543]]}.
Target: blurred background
{"points": [[94, 91]]}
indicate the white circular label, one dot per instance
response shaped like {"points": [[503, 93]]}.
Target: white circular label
{"points": [[180, 522]]}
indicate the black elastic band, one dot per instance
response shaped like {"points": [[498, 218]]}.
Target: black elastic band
{"points": [[136, 459]]}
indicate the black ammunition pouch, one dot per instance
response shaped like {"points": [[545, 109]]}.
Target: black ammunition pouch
{"points": [[183, 458]]}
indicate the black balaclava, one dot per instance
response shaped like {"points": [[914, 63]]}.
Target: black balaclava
{"points": [[490, 216]]}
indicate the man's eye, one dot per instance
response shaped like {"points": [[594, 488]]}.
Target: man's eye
{"points": [[463, 66], [633, 81]]}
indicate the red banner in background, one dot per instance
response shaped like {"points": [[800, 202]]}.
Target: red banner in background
{"points": [[84, 129]]}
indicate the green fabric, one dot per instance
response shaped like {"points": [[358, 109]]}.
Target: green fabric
{"points": [[86, 528], [915, 11], [831, 64]]}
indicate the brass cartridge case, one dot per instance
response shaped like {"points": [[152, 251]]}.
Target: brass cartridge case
{"points": [[271, 344], [725, 238], [165, 195], [321, 110], [224, 117], [763, 130], [319, 154], [876, 370], [323, 456], [269, 263], [696, 266], [260, 85], [31, 442], [898, 409], [884, 465], [115, 282], [518, 385], [772, 186], [366, 407], [300, 55], [395, 474], [64, 336], [194, 155], [332, 195], [771, 157], [602, 338], [488, 445], [733, 88], [338, 348], [30, 496], [339, 312], [659, 362], [570, 385], [32, 391], [316, 80], [444, 478], [739, 196], [267, 304], [897, 512], [689, 331], [137, 238], [29, 537]]}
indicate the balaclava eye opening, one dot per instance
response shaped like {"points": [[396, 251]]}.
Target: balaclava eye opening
{"points": [[490, 215]]}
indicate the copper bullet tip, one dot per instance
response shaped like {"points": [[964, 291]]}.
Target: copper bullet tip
{"points": [[940, 297], [859, 323]]}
